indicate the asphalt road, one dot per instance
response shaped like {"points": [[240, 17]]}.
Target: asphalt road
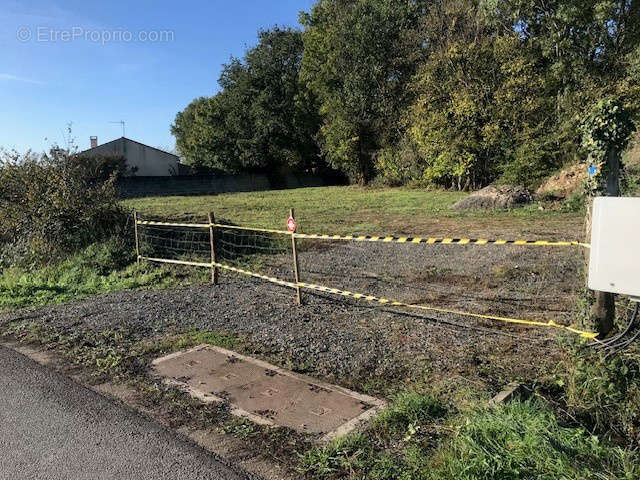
{"points": [[53, 428]]}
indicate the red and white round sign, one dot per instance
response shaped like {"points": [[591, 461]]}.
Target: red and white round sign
{"points": [[291, 224]]}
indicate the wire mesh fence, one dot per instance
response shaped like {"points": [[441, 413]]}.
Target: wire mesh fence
{"points": [[450, 279]]}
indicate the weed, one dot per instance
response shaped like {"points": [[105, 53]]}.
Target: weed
{"points": [[605, 393], [408, 412], [392, 447], [343, 454], [241, 428], [523, 440], [105, 352], [575, 203]]}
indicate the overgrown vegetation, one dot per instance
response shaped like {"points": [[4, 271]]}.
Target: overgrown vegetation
{"points": [[450, 93], [64, 233], [53, 205], [100, 268], [397, 445], [604, 393], [105, 352], [520, 440]]}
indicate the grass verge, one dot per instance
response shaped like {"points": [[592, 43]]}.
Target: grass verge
{"points": [[519, 440], [397, 444], [604, 393], [522, 440], [100, 268]]}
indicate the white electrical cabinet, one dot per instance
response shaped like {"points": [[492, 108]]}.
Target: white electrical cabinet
{"points": [[614, 262]]}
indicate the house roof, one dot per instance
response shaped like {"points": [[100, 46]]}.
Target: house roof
{"points": [[130, 140]]}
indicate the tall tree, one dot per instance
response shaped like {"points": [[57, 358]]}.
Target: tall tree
{"points": [[358, 58], [480, 110], [584, 48], [263, 118], [502, 90], [201, 138]]}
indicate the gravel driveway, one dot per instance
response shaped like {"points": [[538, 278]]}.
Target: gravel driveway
{"points": [[352, 343]]}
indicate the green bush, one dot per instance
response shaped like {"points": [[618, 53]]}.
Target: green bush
{"points": [[53, 205], [605, 393]]}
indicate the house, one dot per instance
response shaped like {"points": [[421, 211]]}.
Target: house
{"points": [[142, 160]]}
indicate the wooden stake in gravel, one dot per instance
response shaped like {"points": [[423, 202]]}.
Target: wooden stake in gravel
{"points": [[295, 260], [214, 269], [135, 230]]}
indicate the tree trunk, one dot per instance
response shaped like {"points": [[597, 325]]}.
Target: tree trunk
{"points": [[362, 160]]}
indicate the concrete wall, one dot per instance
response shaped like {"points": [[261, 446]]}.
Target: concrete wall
{"points": [[147, 161], [150, 162], [138, 186]]}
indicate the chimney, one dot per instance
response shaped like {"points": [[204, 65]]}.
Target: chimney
{"points": [[94, 141]]}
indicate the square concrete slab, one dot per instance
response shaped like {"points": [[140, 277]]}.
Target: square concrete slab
{"points": [[266, 394]]}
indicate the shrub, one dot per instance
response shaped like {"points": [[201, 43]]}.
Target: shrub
{"points": [[52, 205], [605, 393]]}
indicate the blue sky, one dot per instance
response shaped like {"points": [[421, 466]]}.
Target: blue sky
{"points": [[91, 63]]}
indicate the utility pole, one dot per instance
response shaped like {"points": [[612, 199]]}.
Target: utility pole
{"points": [[604, 309]]}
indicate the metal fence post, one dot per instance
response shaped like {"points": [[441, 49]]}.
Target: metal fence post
{"points": [[212, 242], [135, 230], [295, 260]]}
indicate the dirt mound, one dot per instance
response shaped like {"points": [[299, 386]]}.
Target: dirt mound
{"points": [[495, 197], [564, 183]]}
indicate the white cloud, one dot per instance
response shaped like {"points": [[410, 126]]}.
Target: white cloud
{"points": [[15, 78]]}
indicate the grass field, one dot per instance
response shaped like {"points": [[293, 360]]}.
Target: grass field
{"points": [[362, 210]]}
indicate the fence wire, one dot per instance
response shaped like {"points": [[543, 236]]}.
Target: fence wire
{"points": [[179, 243], [266, 253], [501, 280]]}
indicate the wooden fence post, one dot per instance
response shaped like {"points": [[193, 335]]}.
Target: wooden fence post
{"points": [[212, 242], [295, 260], [135, 230], [604, 309]]}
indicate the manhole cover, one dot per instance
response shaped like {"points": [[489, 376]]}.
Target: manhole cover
{"points": [[265, 393]]}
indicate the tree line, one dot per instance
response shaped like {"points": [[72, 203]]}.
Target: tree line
{"points": [[452, 93]]}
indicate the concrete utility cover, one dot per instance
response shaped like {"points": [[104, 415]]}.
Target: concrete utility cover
{"points": [[265, 393]]}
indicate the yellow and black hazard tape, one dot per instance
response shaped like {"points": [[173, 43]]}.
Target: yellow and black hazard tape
{"points": [[379, 300], [395, 303], [441, 241], [173, 224], [381, 238]]}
